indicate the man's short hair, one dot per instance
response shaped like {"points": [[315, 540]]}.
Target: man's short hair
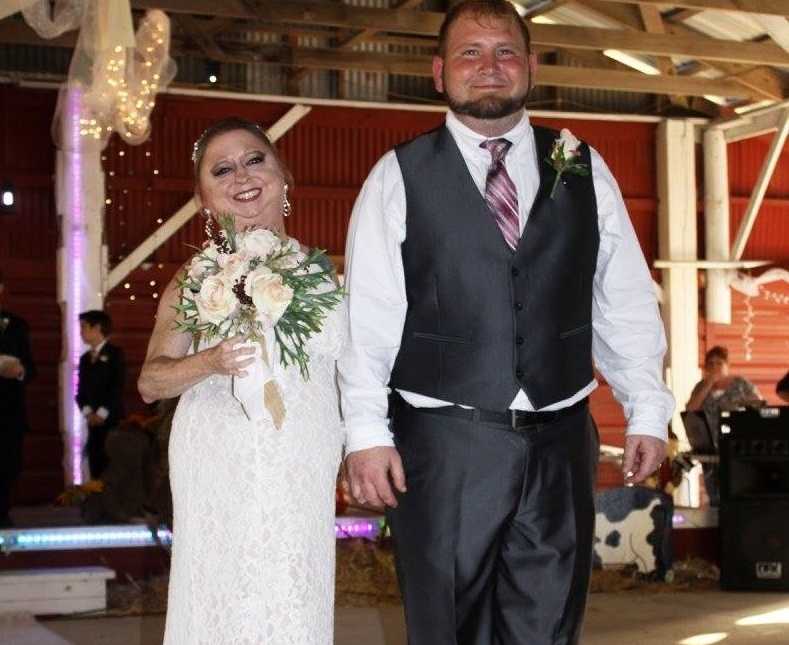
{"points": [[97, 317], [501, 9], [718, 351]]}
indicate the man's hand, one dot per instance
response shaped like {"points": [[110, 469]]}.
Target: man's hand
{"points": [[12, 368], [643, 456], [372, 472]]}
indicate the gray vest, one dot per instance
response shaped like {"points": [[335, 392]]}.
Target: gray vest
{"points": [[484, 321]]}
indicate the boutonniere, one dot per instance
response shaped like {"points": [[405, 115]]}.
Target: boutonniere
{"points": [[564, 157], [104, 358], [4, 322]]}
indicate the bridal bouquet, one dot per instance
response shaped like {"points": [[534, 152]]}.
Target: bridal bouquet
{"points": [[247, 282]]}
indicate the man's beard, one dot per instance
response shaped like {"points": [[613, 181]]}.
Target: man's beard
{"points": [[488, 107]]}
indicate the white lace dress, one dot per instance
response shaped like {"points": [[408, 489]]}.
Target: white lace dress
{"points": [[253, 537]]}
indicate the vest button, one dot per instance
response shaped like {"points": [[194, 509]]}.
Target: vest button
{"points": [[515, 272], [518, 306], [519, 374], [519, 340]]}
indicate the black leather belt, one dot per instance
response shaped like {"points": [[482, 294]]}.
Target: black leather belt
{"points": [[512, 418]]}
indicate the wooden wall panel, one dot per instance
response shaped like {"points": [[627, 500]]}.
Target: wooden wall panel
{"points": [[330, 152], [28, 242]]}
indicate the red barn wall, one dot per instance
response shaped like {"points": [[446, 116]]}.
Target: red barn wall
{"points": [[330, 152]]}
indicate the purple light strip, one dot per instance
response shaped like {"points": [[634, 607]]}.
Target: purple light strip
{"points": [[75, 275], [356, 527]]}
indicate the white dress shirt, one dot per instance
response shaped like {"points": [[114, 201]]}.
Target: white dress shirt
{"points": [[628, 341]]}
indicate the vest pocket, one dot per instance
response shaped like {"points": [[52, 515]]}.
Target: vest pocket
{"points": [[439, 338], [574, 331]]}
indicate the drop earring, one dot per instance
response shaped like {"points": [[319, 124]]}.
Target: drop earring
{"points": [[286, 208]]}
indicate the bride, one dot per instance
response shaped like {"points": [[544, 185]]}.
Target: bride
{"points": [[253, 536]]}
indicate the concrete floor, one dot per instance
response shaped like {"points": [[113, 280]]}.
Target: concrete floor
{"points": [[698, 618]]}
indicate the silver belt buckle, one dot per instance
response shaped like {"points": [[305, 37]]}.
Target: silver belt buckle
{"points": [[513, 419]]}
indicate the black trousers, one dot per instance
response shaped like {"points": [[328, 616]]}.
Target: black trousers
{"points": [[494, 537], [11, 441], [97, 454]]}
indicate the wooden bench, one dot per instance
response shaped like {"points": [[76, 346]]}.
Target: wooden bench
{"points": [[55, 591]]}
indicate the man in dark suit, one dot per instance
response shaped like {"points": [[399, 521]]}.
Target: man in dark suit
{"points": [[102, 371], [16, 370]]}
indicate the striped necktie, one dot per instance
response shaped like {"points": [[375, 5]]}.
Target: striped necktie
{"points": [[500, 193]]}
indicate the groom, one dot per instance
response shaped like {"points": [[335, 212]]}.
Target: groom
{"points": [[481, 297]]}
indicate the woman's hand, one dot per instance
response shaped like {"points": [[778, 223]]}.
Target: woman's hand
{"points": [[230, 357]]}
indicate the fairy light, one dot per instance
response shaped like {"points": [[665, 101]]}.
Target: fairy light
{"points": [[127, 82]]}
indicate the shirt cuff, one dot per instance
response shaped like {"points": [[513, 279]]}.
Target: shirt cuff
{"points": [[21, 377], [103, 413], [86, 410], [659, 432], [369, 435]]}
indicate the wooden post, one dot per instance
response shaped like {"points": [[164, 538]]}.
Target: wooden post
{"points": [[717, 294], [677, 241], [81, 264]]}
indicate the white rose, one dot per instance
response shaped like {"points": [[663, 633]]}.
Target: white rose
{"points": [[233, 265], [269, 294], [202, 262], [259, 243], [570, 142], [294, 255], [216, 301]]}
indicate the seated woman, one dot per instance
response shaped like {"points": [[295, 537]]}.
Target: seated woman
{"points": [[716, 392]]}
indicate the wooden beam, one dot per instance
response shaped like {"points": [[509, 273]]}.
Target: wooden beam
{"points": [[762, 81], [757, 126], [552, 75], [368, 34], [777, 7], [766, 173], [151, 243], [653, 24], [681, 15], [690, 46], [427, 23], [543, 7], [777, 27]]}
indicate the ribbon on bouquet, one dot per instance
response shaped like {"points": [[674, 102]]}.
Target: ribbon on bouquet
{"points": [[259, 404]]}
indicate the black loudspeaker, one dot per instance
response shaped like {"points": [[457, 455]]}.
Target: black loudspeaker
{"points": [[755, 544], [754, 454], [754, 506]]}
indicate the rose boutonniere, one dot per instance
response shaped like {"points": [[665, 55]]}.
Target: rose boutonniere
{"points": [[564, 157]]}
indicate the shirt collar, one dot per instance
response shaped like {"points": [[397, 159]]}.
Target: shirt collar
{"points": [[99, 347], [468, 137]]}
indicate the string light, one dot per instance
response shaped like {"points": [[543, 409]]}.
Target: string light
{"points": [[126, 83]]}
